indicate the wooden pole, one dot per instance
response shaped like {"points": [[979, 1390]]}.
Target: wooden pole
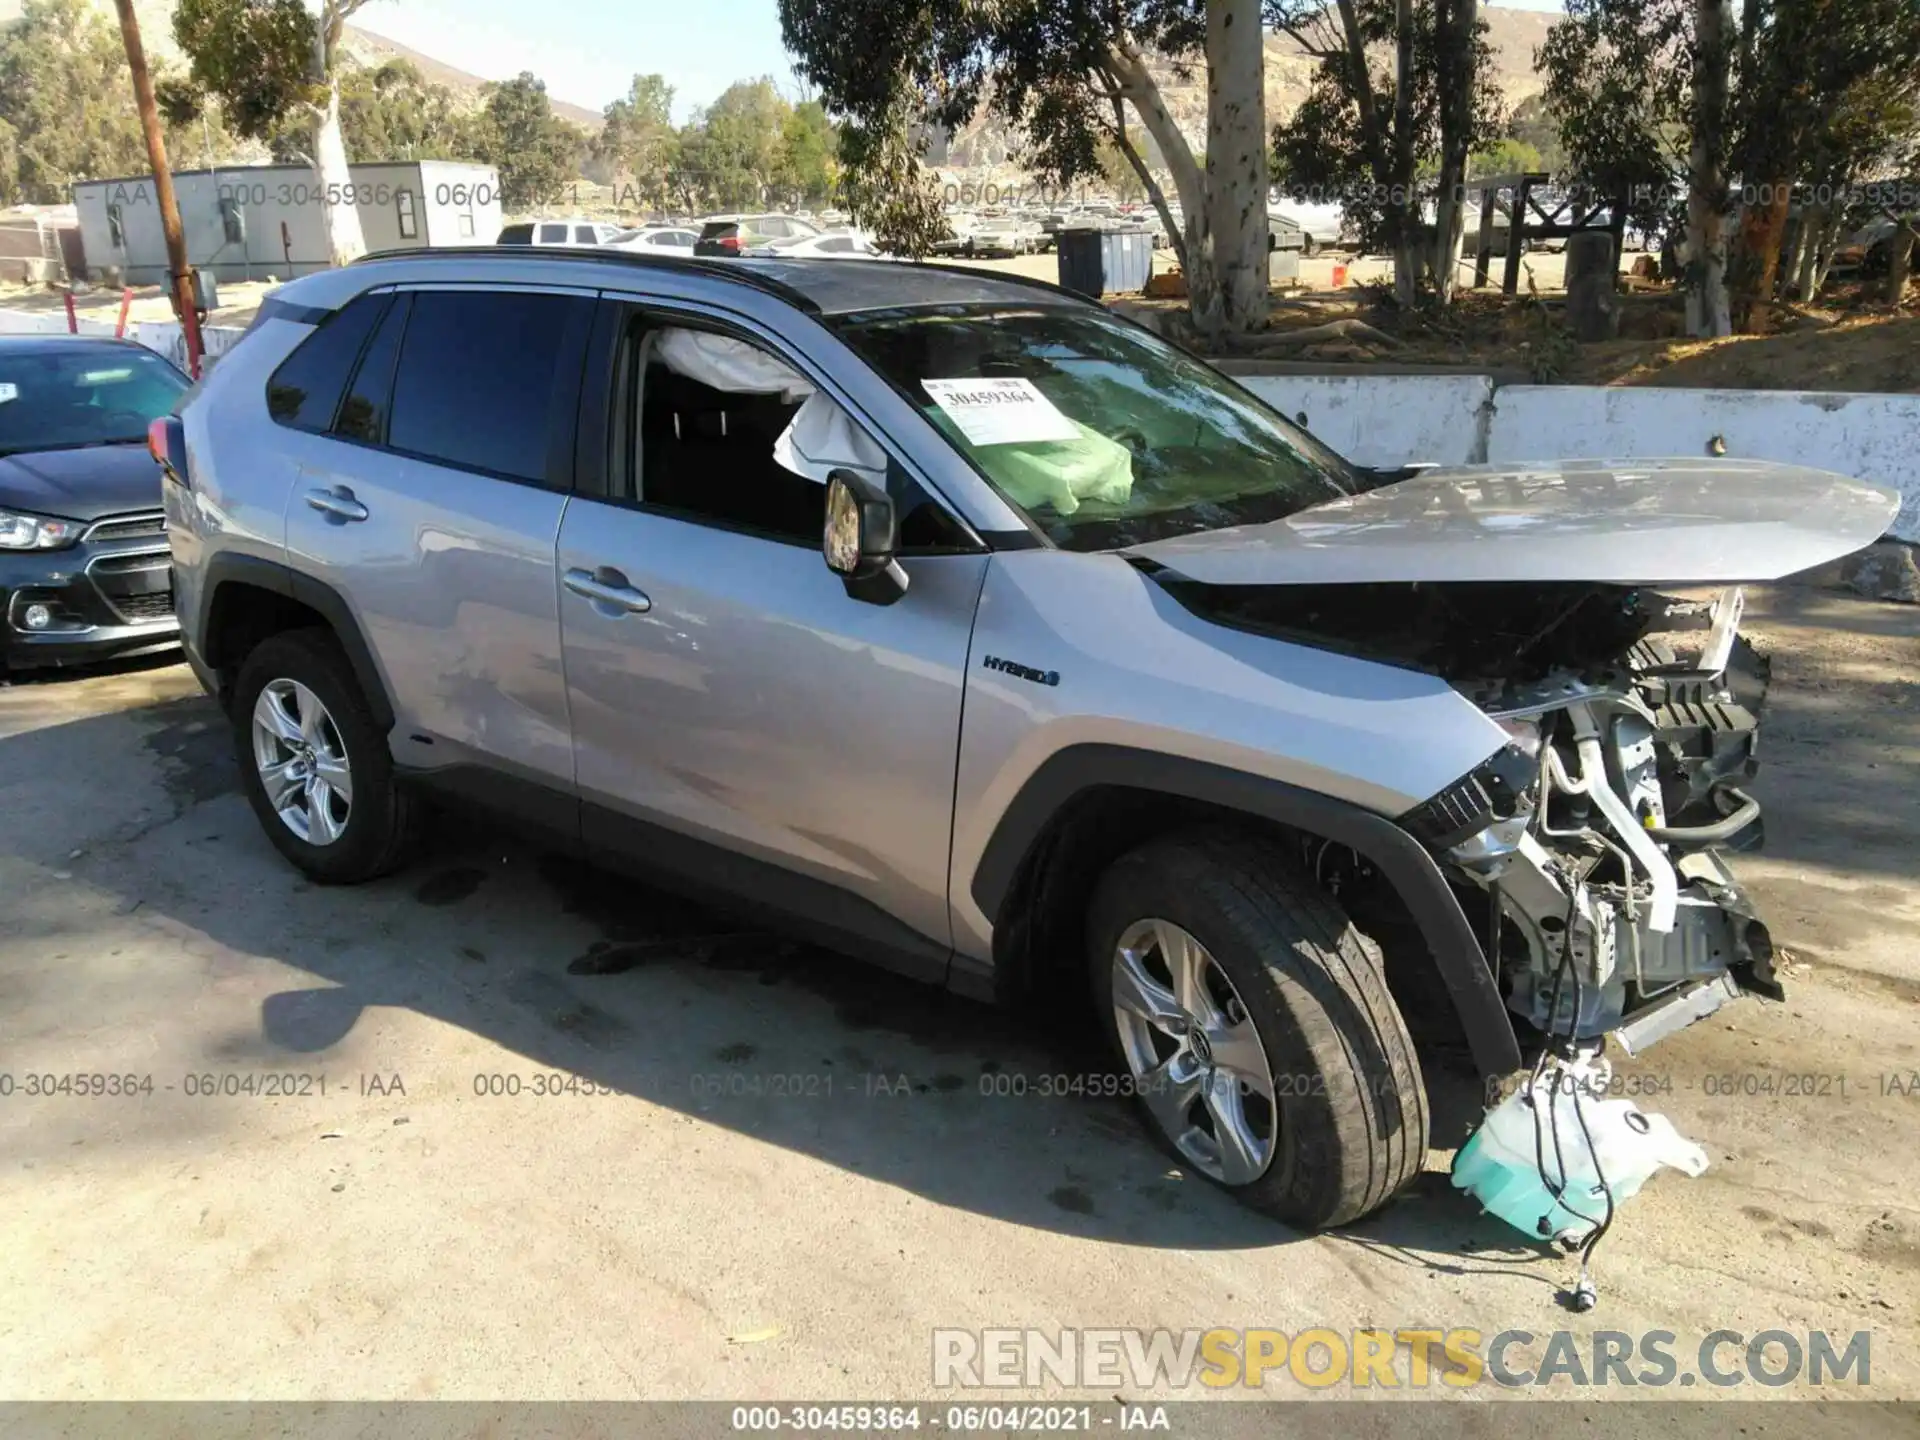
{"points": [[184, 300]]}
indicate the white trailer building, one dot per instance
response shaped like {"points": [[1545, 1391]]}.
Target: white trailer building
{"points": [[246, 222]]}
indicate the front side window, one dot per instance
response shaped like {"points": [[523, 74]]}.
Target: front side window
{"points": [[1105, 435], [585, 235], [482, 375], [73, 397], [714, 427]]}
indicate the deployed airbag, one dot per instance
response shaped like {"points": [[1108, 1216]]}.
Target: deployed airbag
{"points": [[1061, 473], [725, 363], [823, 438]]}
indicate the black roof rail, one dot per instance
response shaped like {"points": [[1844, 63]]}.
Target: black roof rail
{"points": [[719, 269]]}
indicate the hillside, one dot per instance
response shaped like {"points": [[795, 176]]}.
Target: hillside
{"points": [[156, 32], [1512, 34]]}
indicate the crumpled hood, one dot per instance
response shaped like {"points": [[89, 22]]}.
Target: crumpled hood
{"points": [[1625, 522]]}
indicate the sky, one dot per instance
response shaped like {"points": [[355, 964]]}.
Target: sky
{"points": [[589, 50]]}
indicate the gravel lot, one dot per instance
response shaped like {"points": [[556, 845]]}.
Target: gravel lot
{"points": [[405, 1235]]}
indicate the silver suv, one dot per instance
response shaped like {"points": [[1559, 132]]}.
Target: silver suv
{"points": [[960, 625]]}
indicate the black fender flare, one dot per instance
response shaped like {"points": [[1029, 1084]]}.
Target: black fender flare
{"points": [[1404, 861], [227, 568]]}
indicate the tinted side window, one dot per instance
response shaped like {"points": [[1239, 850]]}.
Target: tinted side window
{"points": [[585, 235], [363, 414], [305, 391], [484, 377], [553, 234], [516, 235]]}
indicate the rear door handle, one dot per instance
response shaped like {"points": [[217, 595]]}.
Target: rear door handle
{"points": [[337, 503], [607, 586]]}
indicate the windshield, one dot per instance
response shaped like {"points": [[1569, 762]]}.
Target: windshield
{"points": [[61, 398], [1103, 434]]}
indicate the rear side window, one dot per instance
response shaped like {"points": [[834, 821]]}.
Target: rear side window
{"points": [[487, 379], [305, 391], [516, 235], [363, 414]]}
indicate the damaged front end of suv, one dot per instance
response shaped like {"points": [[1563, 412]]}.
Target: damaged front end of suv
{"points": [[1588, 850], [1595, 835]]}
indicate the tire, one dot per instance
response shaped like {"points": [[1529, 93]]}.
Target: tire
{"points": [[378, 822], [1346, 1116]]}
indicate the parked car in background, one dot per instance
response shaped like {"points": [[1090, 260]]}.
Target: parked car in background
{"points": [[1006, 235], [656, 240], [84, 568], [829, 245], [737, 234], [563, 233], [1321, 226]]}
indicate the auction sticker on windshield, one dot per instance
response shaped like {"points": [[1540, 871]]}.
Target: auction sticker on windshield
{"points": [[1002, 411], [8, 391]]}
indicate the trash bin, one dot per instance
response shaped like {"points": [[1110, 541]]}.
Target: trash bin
{"points": [[1105, 262]]}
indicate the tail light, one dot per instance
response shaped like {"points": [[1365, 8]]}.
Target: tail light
{"points": [[167, 443], [730, 242]]}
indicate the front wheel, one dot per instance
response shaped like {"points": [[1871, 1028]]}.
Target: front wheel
{"points": [[1257, 1028]]}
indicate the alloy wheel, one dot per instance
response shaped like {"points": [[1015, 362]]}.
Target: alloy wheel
{"points": [[1197, 1059], [302, 762]]}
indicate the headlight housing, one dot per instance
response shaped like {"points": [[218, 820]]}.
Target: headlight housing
{"points": [[1497, 790], [20, 531]]}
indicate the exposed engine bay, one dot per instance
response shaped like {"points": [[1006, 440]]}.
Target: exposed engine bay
{"points": [[1591, 843]]}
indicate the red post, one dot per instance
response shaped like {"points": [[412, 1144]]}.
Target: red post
{"points": [[126, 304], [73, 320]]}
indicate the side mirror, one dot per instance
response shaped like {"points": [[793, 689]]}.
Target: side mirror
{"points": [[859, 539]]}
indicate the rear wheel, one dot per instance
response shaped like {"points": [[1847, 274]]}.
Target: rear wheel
{"points": [[314, 764], [1257, 1028]]}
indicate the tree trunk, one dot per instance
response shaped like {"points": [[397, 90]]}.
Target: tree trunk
{"points": [[1237, 161], [332, 179], [1762, 227], [1458, 20], [1706, 273], [1900, 262], [1400, 196], [1137, 85], [1806, 253], [1829, 246], [1791, 262], [1156, 196]]}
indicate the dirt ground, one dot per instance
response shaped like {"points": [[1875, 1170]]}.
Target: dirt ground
{"points": [[411, 1233]]}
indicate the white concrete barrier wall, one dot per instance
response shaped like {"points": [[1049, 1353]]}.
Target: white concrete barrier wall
{"points": [[1384, 420], [1387, 420], [1870, 437]]}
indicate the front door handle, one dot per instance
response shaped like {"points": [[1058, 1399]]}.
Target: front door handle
{"points": [[607, 586], [338, 503]]}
